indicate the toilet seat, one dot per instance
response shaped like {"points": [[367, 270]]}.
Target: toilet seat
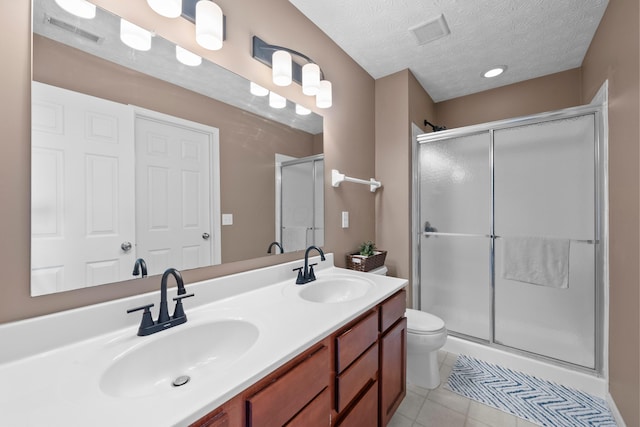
{"points": [[421, 323]]}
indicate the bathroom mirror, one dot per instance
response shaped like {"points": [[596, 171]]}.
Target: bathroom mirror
{"points": [[86, 58]]}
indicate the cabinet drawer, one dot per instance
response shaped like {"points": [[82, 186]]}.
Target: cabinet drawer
{"points": [[353, 342], [356, 377], [392, 309], [231, 414], [277, 403], [316, 413], [365, 413]]}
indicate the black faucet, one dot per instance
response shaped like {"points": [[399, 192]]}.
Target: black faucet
{"points": [[147, 325], [275, 244], [308, 275], [139, 266]]}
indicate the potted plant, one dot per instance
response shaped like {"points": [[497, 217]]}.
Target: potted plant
{"points": [[367, 258]]}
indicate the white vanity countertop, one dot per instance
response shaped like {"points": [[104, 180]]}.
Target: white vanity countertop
{"points": [[51, 371]]}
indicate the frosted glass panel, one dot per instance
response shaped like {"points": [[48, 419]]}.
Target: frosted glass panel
{"points": [[302, 204], [553, 322], [455, 184], [544, 179], [297, 206], [544, 187], [455, 281]]}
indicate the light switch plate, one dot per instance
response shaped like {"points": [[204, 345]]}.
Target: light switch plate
{"points": [[227, 219], [345, 219]]}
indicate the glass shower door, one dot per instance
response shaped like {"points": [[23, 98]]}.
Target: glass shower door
{"points": [[455, 246], [302, 203], [545, 195]]}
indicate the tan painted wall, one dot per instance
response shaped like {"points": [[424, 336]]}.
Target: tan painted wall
{"points": [[248, 143], [548, 93], [392, 161], [614, 55], [348, 137], [400, 100]]}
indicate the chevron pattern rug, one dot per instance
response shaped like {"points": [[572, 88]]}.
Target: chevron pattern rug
{"points": [[538, 401]]}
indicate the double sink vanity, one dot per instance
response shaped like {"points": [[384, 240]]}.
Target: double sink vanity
{"points": [[257, 350]]}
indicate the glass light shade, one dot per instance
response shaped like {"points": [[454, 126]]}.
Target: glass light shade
{"points": [[303, 111], [168, 8], [258, 90], [310, 79], [281, 67], [81, 8], [324, 98], [209, 25], [187, 57], [277, 101], [134, 36]]}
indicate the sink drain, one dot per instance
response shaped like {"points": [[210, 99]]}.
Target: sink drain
{"points": [[181, 380]]}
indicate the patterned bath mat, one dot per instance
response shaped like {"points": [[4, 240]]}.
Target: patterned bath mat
{"points": [[538, 401]]}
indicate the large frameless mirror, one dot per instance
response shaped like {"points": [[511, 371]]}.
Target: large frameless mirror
{"points": [[137, 155]]}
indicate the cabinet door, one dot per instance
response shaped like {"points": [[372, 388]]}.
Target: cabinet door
{"points": [[393, 368]]}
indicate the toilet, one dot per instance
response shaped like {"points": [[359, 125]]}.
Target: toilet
{"points": [[426, 334]]}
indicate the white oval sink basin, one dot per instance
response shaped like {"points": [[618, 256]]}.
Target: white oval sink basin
{"points": [[194, 351], [335, 289]]}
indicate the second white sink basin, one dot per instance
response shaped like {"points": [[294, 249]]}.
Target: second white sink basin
{"points": [[186, 351], [335, 289]]}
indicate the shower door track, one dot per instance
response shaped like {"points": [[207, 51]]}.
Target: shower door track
{"points": [[599, 139]]}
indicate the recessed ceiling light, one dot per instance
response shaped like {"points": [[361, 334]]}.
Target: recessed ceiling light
{"points": [[494, 72]]}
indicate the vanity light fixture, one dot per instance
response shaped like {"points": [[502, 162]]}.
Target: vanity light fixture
{"points": [[209, 25], [133, 36], [302, 111], [277, 101], [309, 76], [187, 57], [494, 72], [282, 69], [310, 79], [80, 8], [324, 98], [258, 90], [166, 8]]}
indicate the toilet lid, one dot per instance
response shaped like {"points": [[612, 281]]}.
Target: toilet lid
{"points": [[420, 322]]}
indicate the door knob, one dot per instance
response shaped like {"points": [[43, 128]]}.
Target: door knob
{"points": [[205, 236], [126, 246]]}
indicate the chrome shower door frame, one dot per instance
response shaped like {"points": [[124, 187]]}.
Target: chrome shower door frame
{"points": [[600, 241]]}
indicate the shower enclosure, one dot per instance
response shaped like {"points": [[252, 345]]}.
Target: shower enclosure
{"points": [[301, 222], [510, 246]]}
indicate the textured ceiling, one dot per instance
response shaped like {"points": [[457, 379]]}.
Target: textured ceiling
{"points": [[532, 38]]}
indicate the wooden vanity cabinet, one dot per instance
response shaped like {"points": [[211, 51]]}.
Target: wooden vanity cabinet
{"points": [[393, 355], [353, 378]]}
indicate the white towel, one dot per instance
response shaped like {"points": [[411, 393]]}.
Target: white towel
{"points": [[536, 260]]}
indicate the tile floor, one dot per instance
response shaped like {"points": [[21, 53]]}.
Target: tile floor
{"points": [[444, 408]]}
